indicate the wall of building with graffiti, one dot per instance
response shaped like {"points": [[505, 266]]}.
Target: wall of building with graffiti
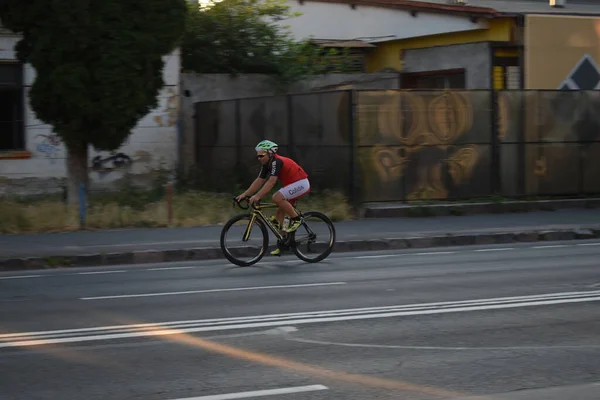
{"points": [[403, 145], [40, 166]]}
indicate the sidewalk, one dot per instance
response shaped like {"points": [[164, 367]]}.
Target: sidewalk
{"points": [[125, 246]]}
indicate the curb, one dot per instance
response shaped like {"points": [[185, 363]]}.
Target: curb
{"points": [[372, 210], [214, 253]]}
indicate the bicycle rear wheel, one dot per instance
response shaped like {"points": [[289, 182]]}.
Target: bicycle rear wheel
{"points": [[304, 240], [240, 227]]}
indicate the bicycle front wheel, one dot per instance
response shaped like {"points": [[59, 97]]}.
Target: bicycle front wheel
{"points": [[313, 241], [252, 240]]}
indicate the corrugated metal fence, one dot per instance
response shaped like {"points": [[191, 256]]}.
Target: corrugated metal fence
{"points": [[400, 145]]}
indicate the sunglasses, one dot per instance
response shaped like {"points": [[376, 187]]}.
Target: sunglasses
{"points": [[259, 156]]}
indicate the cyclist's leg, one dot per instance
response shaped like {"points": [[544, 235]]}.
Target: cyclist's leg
{"points": [[277, 219], [289, 193], [284, 199], [280, 214]]}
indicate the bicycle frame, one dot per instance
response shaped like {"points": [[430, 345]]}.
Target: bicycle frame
{"points": [[258, 213]]}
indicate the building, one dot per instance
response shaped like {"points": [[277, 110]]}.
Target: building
{"points": [[32, 157], [551, 40], [380, 29], [474, 44]]}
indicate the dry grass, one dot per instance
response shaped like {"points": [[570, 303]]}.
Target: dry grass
{"points": [[189, 209]]}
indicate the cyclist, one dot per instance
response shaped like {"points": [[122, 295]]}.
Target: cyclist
{"points": [[293, 179]]}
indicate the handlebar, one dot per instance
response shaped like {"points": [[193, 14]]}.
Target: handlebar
{"points": [[259, 206], [246, 200]]}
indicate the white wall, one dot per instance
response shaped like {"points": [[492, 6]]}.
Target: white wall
{"points": [[340, 21], [152, 142]]}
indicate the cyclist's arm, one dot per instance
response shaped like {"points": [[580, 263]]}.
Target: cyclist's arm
{"points": [[273, 173], [258, 182], [267, 187]]}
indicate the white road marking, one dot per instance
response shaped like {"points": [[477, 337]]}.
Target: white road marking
{"points": [[168, 268], [268, 263], [433, 253], [259, 393], [100, 272], [280, 331], [334, 258], [123, 296], [20, 277], [380, 256], [441, 348], [280, 320], [499, 249], [140, 244]]}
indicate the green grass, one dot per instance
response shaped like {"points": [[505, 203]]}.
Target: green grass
{"points": [[147, 209]]}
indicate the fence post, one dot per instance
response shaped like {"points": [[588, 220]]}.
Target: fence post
{"points": [[169, 202], [581, 153], [495, 174], [237, 135], [521, 153], [581, 168], [354, 197], [82, 206], [290, 124]]}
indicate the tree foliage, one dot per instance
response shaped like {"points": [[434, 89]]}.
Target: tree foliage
{"points": [[243, 36], [98, 63]]}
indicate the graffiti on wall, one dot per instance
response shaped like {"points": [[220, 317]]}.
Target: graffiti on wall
{"points": [[420, 145], [49, 146], [108, 164], [169, 112], [560, 134], [417, 142]]}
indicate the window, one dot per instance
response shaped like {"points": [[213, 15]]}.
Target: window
{"points": [[11, 107], [452, 79], [355, 58]]}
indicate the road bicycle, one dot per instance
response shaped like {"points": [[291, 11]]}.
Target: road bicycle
{"points": [[285, 241]]}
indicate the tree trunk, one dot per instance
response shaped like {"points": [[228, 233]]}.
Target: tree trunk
{"points": [[77, 171]]}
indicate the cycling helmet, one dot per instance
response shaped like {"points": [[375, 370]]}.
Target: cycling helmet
{"points": [[268, 146]]}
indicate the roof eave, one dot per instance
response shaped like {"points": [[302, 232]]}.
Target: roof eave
{"points": [[419, 6]]}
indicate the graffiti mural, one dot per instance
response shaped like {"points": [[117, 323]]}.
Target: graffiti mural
{"points": [[109, 164], [422, 145], [49, 146], [558, 133]]}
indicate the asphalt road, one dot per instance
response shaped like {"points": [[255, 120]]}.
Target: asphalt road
{"points": [[516, 322], [123, 240]]}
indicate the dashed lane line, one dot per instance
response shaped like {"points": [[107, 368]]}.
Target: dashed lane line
{"points": [[101, 272], [259, 393], [498, 249], [377, 256], [20, 277]]}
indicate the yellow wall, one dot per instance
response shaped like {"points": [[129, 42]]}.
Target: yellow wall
{"points": [[554, 45], [389, 54]]}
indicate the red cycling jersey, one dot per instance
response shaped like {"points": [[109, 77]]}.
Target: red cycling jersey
{"points": [[285, 169]]}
